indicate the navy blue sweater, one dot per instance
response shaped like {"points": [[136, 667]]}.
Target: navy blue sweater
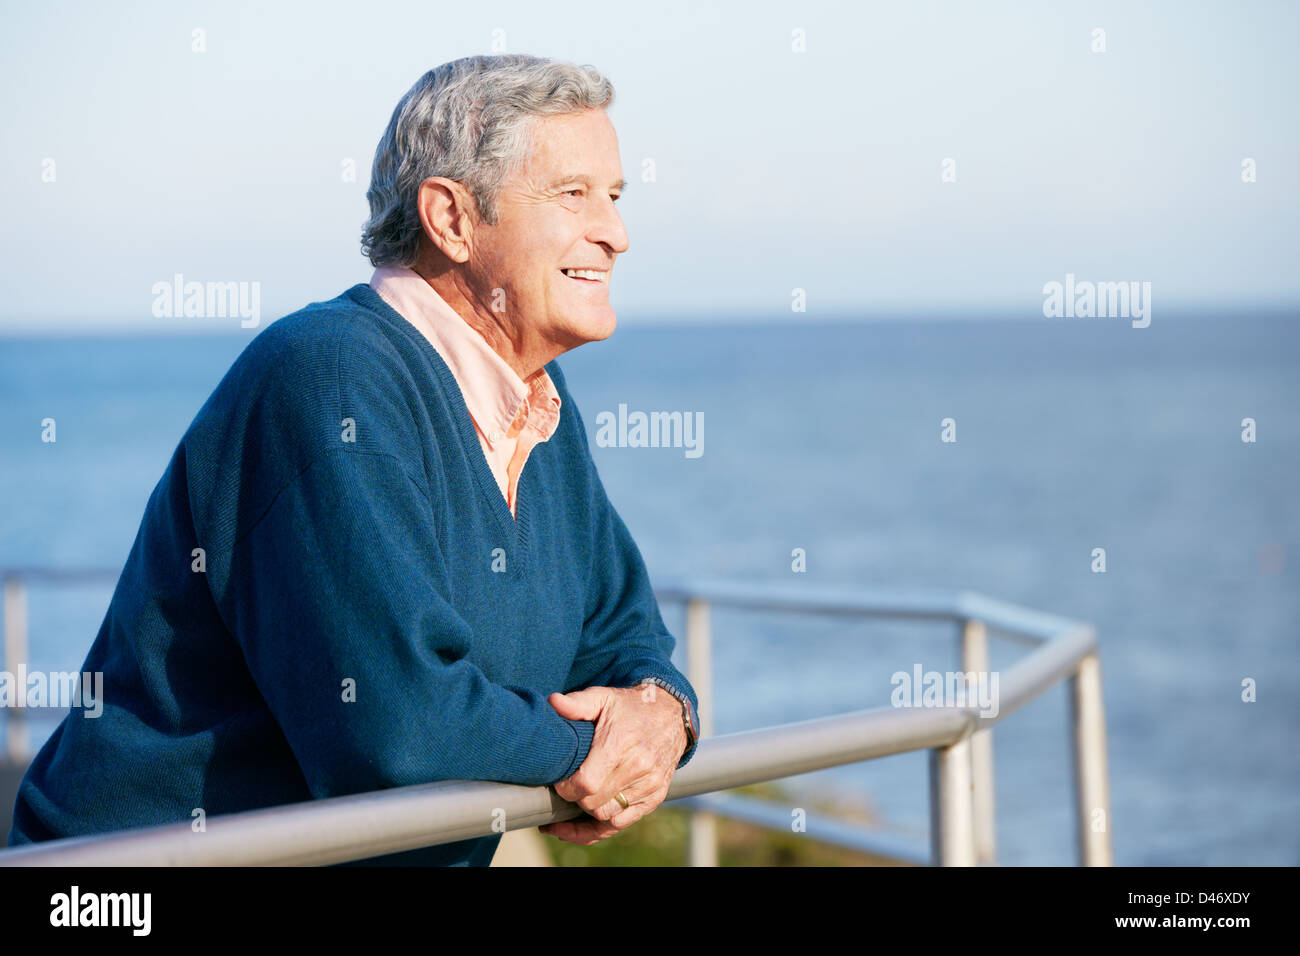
{"points": [[364, 612]]}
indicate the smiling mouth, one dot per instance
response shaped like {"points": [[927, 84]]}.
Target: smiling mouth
{"points": [[586, 275]]}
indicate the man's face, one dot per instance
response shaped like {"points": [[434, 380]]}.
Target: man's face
{"points": [[556, 214]]}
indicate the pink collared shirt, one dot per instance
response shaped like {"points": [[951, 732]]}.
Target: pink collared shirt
{"points": [[510, 415]]}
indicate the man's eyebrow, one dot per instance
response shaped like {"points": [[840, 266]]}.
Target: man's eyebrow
{"points": [[578, 178]]}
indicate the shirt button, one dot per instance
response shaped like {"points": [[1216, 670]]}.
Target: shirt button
{"points": [[495, 436]]}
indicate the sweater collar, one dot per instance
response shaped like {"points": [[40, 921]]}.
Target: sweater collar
{"points": [[495, 395]]}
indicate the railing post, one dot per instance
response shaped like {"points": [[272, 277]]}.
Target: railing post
{"points": [[1091, 779], [952, 825], [15, 659], [975, 657], [703, 837]]}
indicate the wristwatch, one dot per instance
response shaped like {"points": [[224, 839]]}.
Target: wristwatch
{"points": [[689, 718]]}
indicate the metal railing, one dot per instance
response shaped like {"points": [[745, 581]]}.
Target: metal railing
{"points": [[962, 827], [13, 583], [958, 738]]}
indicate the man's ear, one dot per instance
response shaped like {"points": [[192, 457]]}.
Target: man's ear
{"points": [[447, 215]]}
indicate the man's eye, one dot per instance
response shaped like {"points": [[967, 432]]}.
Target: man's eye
{"points": [[573, 192]]}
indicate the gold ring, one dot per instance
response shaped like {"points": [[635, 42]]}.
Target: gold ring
{"points": [[622, 800]]}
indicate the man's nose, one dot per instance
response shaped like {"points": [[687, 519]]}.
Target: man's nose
{"points": [[608, 228]]}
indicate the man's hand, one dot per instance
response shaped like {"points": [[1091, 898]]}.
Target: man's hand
{"points": [[638, 742]]}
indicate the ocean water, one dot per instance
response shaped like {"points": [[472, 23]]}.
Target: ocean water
{"points": [[1070, 436]]}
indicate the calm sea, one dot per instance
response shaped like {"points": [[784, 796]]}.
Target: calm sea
{"points": [[1070, 436]]}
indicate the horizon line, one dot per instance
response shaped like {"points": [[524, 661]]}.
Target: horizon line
{"points": [[204, 327]]}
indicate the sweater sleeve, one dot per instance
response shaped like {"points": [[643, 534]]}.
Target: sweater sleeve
{"points": [[623, 637], [341, 605]]}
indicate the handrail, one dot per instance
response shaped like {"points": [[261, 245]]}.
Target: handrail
{"points": [[353, 827], [1009, 619], [338, 829]]}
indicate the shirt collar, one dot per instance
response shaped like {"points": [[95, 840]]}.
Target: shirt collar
{"points": [[494, 393]]}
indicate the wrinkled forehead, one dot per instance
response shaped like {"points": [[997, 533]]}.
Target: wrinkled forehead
{"points": [[574, 144]]}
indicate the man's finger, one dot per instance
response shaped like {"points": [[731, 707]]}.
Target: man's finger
{"points": [[603, 786], [646, 791], [639, 780], [609, 809], [581, 704], [583, 832], [637, 809], [592, 784]]}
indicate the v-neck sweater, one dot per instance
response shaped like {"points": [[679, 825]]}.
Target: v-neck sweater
{"points": [[510, 415], [328, 594]]}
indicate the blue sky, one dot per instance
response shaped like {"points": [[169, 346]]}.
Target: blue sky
{"points": [[774, 169]]}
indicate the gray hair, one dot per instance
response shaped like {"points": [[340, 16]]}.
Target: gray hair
{"points": [[470, 120]]}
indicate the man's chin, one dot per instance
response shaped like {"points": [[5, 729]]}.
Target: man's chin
{"points": [[596, 329]]}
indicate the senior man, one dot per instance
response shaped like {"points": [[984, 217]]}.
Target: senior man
{"points": [[347, 579]]}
